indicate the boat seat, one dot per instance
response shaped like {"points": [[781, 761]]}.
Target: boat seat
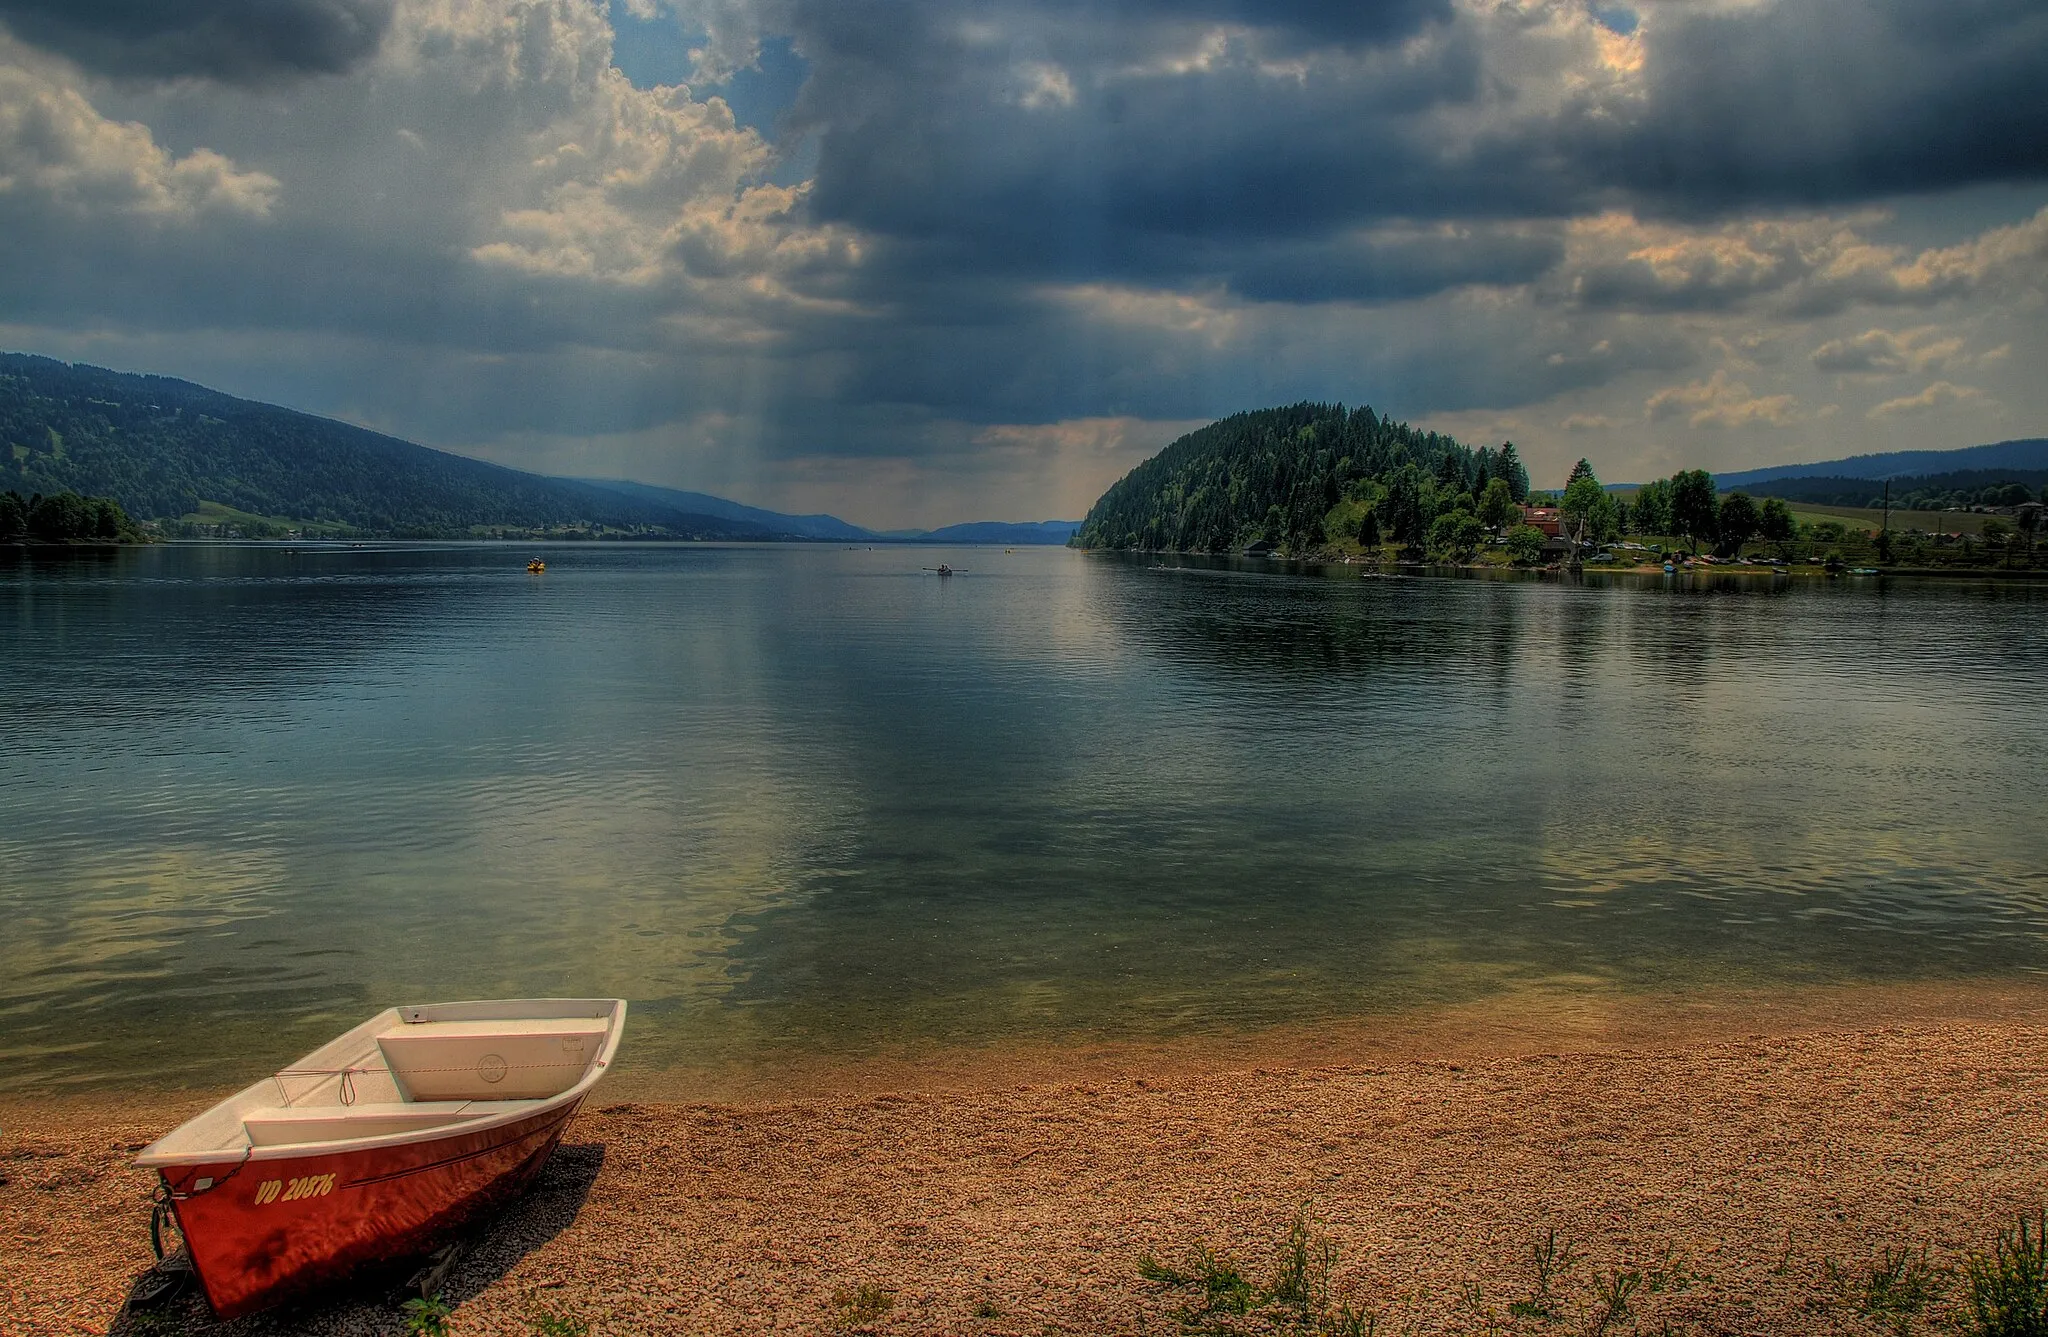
{"points": [[288, 1126], [491, 1060]]}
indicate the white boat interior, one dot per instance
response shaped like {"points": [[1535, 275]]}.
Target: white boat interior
{"points": [[406, 1073]]}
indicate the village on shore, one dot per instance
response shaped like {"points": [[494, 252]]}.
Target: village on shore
{"points": [[1686, 524]]}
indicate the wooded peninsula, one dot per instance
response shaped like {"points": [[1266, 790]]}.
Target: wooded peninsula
{"points": [[1322, 481]]}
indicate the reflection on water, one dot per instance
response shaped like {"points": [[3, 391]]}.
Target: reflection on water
{"points": [[797, 801]]}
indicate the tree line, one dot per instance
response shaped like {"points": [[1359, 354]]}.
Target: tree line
{"points": [[64, 517], [1687, 505]]}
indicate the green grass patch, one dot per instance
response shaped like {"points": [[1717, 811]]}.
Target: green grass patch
{"points": [[426, 1317], [263, 526], [548, 1323], [858, 1306], [1893, 1292], [1297, 1298], [1554, 1260], [1872, 518], [2007, 1288]]}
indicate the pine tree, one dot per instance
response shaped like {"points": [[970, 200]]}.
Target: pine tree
{"points": [[1511, 469]]}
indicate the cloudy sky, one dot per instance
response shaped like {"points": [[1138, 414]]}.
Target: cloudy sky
{"points": [[919, 261]]}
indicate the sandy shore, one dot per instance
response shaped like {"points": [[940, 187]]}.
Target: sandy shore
{"points": [[1741, 1178]]}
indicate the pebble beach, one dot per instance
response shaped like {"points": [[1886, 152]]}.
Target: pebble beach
{"points": [[1746, 1183]]}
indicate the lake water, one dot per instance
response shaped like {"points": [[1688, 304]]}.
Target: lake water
{"points": [[797, 802]]}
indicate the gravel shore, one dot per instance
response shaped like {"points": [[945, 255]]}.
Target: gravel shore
{"points": [[1749, 1184]]}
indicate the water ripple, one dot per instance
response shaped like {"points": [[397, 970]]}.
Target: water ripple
{"points": [[797, 799]]}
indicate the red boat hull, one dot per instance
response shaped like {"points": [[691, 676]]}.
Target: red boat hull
{"points": [[269, 1230]]}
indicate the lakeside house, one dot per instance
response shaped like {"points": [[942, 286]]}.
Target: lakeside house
{"points": [[1544, 518]]}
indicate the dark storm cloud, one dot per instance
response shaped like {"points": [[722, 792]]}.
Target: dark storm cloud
{"points": [[1215, 176], [932, 135], [1109, 169], [1338, 21], [1825, 101], [239, 41], [1381, 269]]}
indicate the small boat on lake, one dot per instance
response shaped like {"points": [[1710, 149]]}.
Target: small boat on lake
{"points": [[536, 566], [943, 570], [378, 1145]]}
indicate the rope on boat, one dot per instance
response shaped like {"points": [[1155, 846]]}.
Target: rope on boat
{"points": [[167, 1194], [159, 1214], [346, 1087], [172, 1271]]}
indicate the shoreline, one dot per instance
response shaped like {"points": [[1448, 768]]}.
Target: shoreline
{"points": [[1854, 1119], [1508, 1023], [1377, 566]]}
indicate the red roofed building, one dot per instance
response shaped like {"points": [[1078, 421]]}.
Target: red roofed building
{"points": [[1544, 518]]}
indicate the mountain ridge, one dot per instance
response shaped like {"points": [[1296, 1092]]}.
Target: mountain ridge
{"points": [[162, 447], [831, 527], [805, 526], [2028, 453]]}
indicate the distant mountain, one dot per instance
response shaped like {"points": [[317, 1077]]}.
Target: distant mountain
{"points": [[832, 527], [161, 447], [167, 448], [702, 503], [2028, 454], [1011, 535], [1927, 492]]}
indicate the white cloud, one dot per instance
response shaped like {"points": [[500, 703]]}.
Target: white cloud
{"points": [[1041, 85], [1616, 259], [2016, 254], [1887, 352], [1938, 395], [732, 34], [58, 152], [1213, 318], [1800, 266], [1720, 402], [589, 177], [487, 179]]}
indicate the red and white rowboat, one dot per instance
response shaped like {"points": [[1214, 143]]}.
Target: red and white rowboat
{"points": [[378, 1144]]}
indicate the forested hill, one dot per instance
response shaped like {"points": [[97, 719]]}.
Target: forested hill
{"points": [[1919, 492], [1286, 475], [2006, 458], [161, 447]]}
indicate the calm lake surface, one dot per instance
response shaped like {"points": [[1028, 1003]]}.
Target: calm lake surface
{"points": [[800, 802]]}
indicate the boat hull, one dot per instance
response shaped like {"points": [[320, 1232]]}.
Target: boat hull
{"points": [[268, 1230]]}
